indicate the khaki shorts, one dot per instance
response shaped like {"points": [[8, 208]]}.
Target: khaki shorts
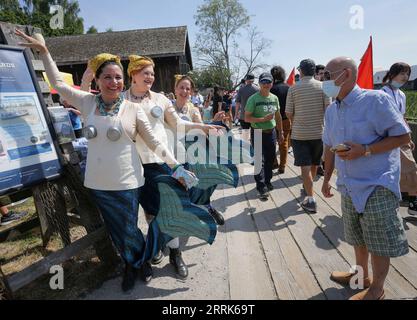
{"points": [[380, 228], [408, 181]]}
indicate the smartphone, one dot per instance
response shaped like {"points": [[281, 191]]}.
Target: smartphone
{"points": [[340, 147]]}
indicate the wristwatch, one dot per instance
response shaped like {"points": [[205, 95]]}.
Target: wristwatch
{"points": [[367, 151]]}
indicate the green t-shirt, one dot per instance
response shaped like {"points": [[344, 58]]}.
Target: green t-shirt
{"points": [[262, 106]]}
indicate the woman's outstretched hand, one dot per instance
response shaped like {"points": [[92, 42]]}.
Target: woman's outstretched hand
{"points": [[214, 129], [185, 177], [36, 42], [219, 116]]}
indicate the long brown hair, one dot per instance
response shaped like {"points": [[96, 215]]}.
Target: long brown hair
{"points": [[179, 78], [395, 70]]}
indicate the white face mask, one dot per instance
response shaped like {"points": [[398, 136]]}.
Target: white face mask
{"points": [[396, 85], [330, 88]]}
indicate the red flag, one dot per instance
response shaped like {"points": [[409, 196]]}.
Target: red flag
{"points": [[291, 78], [366, 69]]}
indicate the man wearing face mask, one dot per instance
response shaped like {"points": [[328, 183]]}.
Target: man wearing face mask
{"points": [[365, 131]]}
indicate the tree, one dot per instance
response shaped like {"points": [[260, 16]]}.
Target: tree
{"points": [[38, 13], [207, 77], [258, 47], [92, 30], [10, 11], [220, 22], [109, 30], [9, 5]]}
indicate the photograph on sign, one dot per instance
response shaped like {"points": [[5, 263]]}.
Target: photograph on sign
{"points": [[62, 124]]}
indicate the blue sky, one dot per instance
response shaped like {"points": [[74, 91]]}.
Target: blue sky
{"points": [[300, 29]]}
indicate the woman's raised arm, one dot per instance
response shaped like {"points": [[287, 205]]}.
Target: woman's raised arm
{"points": [[75, 97]]}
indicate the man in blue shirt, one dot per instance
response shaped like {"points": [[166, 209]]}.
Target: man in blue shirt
{"points": [[366, 128]]}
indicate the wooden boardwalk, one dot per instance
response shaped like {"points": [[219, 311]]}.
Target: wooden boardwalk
{"points": [[300, 249], [270, 250]]}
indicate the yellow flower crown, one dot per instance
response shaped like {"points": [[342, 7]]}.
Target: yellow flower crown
{"points": [[138, 63], [95, 63]]}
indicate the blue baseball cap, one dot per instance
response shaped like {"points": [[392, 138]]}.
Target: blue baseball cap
{"points": [[265, 77]]}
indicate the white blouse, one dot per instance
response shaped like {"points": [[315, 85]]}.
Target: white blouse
{"points": [[111, 165]]}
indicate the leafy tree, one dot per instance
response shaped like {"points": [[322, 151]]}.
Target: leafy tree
{"points": [[92, 30], [109, 30], [220, 22], [37, 13], [208, 77], [10, 11], [9, 5]]}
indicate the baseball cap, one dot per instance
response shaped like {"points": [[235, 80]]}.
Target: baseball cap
{"points": [[265, 77], [307, 66], [250, 76]]}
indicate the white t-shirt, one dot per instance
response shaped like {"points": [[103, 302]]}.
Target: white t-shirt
{"points": [[111, 165], [157, 109], [398, 96]]}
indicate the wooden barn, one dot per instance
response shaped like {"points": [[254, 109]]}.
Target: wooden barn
{"points": [[169, 47]]}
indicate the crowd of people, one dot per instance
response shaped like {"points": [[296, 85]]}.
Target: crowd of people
{"points": [[325, 119], [330, 123], [362, 134]]}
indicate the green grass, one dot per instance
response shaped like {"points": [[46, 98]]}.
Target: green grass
{"points": [[411, 112]]}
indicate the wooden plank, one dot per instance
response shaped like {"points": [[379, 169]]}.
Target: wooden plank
{"points": [[250, 277], [291, 273], [75, 219], [320, 254], [21, 228], [5, 292], [45, 227], [410, 223], [38, 65], [26, 276], [15, 197], [44, 87], [47, 97], [332, 226], [7, 33]]}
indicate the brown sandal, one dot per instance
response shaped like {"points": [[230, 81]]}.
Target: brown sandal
{"points": [[361, 295], [344, 278]]}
